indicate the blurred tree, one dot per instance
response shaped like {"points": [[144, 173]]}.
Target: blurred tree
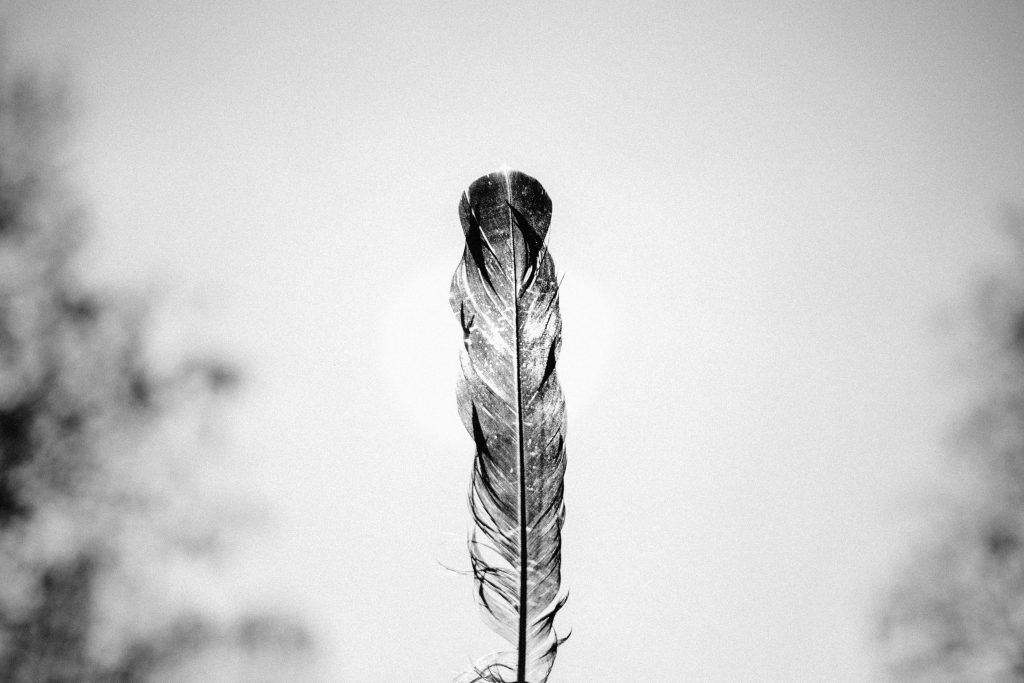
{"points": [[956, 612], [95, 490]]}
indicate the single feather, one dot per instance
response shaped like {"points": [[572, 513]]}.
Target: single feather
{"points": [[505, 296]]}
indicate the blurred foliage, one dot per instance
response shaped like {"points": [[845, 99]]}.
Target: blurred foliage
{"points": [[95, 490], [957, 611]]}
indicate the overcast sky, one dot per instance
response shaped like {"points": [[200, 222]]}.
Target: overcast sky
{"points": [[761, 209]]}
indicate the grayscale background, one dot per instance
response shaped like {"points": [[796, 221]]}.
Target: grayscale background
{"points": [[768, 215]]}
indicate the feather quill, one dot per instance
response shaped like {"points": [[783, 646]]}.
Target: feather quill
{"points": [[505, 296]]}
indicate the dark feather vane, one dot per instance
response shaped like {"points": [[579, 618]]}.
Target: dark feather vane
{"points": [[505, 295]]}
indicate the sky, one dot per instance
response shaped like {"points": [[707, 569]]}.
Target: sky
{"points": [[762, 211]]}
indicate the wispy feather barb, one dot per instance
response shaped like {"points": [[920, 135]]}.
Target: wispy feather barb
{"points": [[505, 296]]}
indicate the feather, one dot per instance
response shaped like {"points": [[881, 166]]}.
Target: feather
{"points": [[505, 296]]}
